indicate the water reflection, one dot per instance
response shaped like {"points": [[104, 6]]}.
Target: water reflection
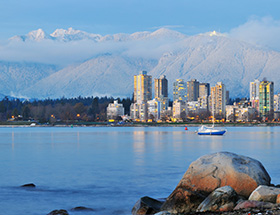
{"points": [[13, 140]]}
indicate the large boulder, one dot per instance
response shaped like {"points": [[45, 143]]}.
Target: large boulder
{"points": [[278, 199], [265, 194], [221, 199], [146, 205], [212, 171]]}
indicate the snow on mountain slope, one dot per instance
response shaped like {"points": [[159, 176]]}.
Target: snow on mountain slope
{"points": [[213, 59], [208, 57], [15, 77], [36, 35], [73, 35], [105, 75]]}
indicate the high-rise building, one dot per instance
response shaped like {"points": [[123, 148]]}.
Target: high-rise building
{"points": [[179, 109], [277, 102], [179, 90], [227, 97], [254, 90], [218, 99], [142, 87], [204, 90], [266, 98], [192, 90], [161, 87]]}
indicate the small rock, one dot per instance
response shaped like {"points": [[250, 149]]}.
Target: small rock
{"points": [[265, 194], [58, 212], [28, 185], [221, 199], [81, 208], [146, 205], [253, 204]]}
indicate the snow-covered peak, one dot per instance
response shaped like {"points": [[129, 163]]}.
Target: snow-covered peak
{"points": [[37, 35], [72, 35]]}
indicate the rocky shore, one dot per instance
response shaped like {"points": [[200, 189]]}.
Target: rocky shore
{"points": [[220, 183]]}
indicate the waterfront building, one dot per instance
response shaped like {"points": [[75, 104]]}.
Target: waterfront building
{"points": [[277, 102], [254, 90], [161, 87], [236, 113], [161, 92], [227, 97], [179, 90], [142, 87], [218, 99], [192, 90], [204, 92], [154, 109], [139, 111], [193, 107], [266, 98], [115, 110], [179, 110], [203, 103], [142, 94]]}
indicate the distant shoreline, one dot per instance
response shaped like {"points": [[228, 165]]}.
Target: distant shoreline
{"points": [[104, 124]]}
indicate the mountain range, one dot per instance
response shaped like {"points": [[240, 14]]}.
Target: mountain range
{"points": [[112, 61]]}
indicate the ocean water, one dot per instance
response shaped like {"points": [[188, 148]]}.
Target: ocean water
{"points": [[109, 168]]}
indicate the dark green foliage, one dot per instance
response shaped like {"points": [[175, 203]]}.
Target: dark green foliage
{"points": [[89, 109]]}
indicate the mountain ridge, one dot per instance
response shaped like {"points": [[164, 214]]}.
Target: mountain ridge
{"points": [[208, 57]]}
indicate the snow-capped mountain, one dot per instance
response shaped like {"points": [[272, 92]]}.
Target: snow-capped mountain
{"points": [[109, 70], [70, 34], [16, 77]]}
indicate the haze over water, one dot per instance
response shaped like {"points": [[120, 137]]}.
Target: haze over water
{"points": [[109, 168]]}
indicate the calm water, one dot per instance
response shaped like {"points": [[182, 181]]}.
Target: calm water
{"points": [[109, 169]]}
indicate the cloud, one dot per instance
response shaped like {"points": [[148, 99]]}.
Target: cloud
{"points": [[264, 31], [66, 53]]}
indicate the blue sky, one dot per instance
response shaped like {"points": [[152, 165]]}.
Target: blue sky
{"points": [[18, 17]]}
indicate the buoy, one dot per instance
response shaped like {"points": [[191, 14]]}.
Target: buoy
{"points": [[186, 128]]}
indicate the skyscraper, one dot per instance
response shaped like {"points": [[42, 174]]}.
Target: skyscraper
{"points": [[266, 98], [142, 87], [204, 90], [179, 90], [254, 90], [161, 92], [161, 87], [218, 99], [192, 90]]}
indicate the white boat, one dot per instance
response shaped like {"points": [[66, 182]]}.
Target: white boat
{"points": [[32, 124], [203, 130]]}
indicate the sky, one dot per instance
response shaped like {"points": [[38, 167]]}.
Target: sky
{"points": [[18, 17], [253, 21]]}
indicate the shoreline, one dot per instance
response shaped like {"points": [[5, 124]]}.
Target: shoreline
{"points": [[104, 124]]}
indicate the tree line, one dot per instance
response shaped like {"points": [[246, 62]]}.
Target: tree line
{"points": [[88, 109]]}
